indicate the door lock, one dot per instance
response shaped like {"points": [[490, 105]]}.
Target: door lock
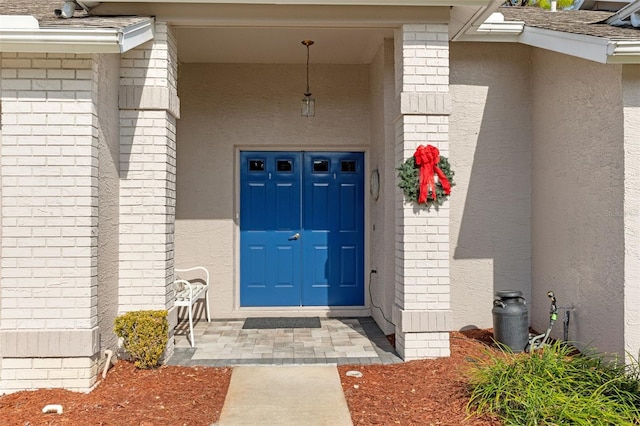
{"points": [[295, 236]]}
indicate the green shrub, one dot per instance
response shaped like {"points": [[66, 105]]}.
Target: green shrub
{"points": [[552, 387], [145, 335]]}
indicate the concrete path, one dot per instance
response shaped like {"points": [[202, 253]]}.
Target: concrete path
{"points": [[307, 395]]}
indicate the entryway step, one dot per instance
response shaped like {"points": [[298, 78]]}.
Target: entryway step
{"points": [[285, 395]]}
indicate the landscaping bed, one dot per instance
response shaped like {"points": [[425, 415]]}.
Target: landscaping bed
{"points": [[414, 393], [425, 392]]}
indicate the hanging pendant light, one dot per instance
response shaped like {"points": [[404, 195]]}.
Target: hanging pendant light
{"points": [[308, 102]]}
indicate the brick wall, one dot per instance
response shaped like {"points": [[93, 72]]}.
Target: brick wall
{"points": [[49, 219], [149, 107], [147, 209], [422, 303]]}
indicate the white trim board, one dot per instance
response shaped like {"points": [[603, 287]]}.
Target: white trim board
{"points": [[583, 46], [76, 40], [598, 49], [592, 48]]}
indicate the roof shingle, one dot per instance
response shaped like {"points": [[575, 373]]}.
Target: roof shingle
{"points": [[586, 22], [43, 11]]}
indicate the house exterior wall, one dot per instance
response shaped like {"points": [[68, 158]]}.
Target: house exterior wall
{"points": [[382, 210], [578, 188], [631, 208], [1, 117], [108, 127], [490, 132], [149, 108], [252, 106], [422, 309], [88, 172], [49, 334], [547, 194]]}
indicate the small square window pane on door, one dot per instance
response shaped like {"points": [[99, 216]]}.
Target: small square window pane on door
{"points": [[284, 166], [256, 165], [348, 166], [320, 166]]}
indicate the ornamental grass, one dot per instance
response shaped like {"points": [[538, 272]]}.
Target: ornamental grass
{"points": [[554, 387]]}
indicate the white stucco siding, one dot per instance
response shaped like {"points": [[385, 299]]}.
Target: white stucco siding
{"points": [[631, 209], [224, 106], [108, 74], [0, 207], [382, 210], [490, 145], [577, 197]]}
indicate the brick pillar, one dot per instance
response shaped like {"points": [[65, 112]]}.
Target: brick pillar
{"points": [[422, 304], [48, 319], [149, 108]]}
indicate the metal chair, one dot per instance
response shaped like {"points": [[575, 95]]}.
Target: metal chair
{"points": [[188, 291]]}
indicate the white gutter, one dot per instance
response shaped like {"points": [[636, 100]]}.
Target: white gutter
{"points": [[75, 40], [497, 25], [624, 52], [583, 46], [495, 29], [482, 14], [597, 49]]}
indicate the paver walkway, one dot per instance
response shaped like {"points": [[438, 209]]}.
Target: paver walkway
{"points": [[339, 341], [285, 376], [309, 395]]}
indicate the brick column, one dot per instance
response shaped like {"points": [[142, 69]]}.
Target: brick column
{"points": [[422, 304], [48, 320], [149, 108]]}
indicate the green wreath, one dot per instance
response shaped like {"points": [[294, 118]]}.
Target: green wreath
{"points": [[409, 175]]}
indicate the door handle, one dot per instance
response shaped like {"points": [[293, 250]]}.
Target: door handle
{"points": [[295, 236]]}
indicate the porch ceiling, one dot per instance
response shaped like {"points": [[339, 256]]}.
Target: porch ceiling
{"points": [[280, 45], [271, 33]]}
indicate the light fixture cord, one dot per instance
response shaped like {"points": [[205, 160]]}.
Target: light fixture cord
{"points": [[307, 92]]}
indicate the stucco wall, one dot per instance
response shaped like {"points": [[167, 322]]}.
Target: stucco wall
{"points": [[490, 152], [0, 209], [382, 210], [108, 70], [631, 211], [251, 106], [577, 196]]}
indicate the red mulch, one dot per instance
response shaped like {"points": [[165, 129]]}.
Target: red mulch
{"points": [[128, 396], [428, 392]]}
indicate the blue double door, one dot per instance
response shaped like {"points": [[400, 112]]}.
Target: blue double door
{"points": [[301, 228]]}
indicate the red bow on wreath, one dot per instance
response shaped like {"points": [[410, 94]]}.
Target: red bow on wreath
{"points": [[427, 158]]}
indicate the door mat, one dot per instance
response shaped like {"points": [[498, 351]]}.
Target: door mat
{"points": [[281, 322]]}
